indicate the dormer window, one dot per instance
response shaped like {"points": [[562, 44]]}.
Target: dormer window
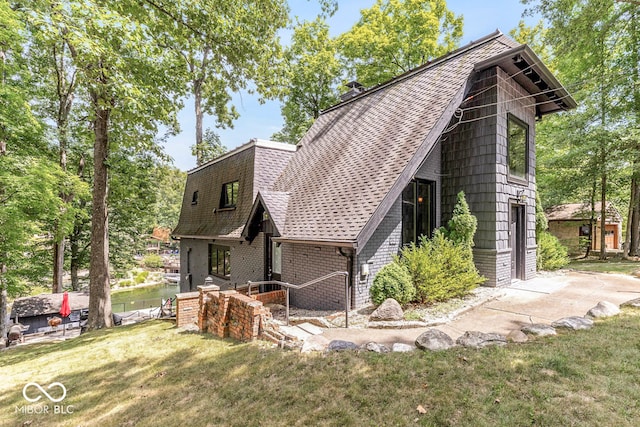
{"points": [[229, 196], [194, 198]]}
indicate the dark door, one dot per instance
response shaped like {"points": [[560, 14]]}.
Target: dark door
{"points": [[273, 262], [517, 239]]}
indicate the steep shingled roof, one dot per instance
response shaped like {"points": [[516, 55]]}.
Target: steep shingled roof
{"points": [[358, 156]]}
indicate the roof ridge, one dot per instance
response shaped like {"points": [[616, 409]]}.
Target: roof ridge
{"points": [[420, 68]]}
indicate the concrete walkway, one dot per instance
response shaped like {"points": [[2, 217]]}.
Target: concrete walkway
{"points": [[544, 299]]}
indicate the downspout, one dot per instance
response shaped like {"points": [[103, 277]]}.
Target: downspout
{"points": [[349, 257]]}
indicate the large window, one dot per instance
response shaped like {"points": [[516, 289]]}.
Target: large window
{"points": [[219, 260], [518, 148], [229, 196], [418, 210]]}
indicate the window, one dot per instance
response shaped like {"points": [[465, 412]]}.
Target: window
{"points": [[517, 146], [194, 198], [219, 261], [229, 196], [418, 210]]}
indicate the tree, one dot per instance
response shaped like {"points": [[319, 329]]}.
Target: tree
{"points": [[312, 72], [209, 148], [394, 36], [170, 189]]}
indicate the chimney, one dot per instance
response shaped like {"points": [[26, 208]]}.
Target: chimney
{"points": [[355, 89]]}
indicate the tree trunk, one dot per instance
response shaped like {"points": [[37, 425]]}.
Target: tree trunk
{"points": [[603, 217], [633, 222], [58, 266], [3, 304], [197, 95], [99, 284]]}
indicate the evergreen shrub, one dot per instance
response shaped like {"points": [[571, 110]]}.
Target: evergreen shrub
{"points": [[393, 281], [552, 255]]}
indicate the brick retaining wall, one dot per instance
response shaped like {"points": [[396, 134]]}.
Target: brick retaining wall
{"points": [[187, 308]]}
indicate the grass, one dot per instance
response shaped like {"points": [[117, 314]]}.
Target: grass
{"points": [[611, 265], [154, 374]]}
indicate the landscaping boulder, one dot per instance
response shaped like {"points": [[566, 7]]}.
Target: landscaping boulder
{"points": [[517, 336], [340, 345], [604, 309], [574, 323], [315, 343], [539, 329], [402, 348], [434, 340], [634, 303], [389, 310], [475, 339], [376, 348]]}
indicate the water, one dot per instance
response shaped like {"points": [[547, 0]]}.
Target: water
{"points": [[139, 298]]}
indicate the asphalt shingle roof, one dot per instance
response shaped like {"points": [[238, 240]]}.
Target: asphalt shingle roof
{"points": [[356, 153]]}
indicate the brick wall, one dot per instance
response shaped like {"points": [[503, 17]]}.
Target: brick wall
{"points": [[273, 297], [187, 308], [230, 314]]}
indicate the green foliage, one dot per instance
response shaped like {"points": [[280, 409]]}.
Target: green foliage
{"points": [[393, 281], [440, 268], [210, 147], [394, 36], [141, 277], [312, 73], [462, 226], [126, 283], [551, 254], [541, 219], [152, 261]]}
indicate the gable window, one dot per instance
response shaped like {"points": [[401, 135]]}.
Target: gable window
{"points": [[418, 210], [219, 261], [517, 148], [229, 196], [194, 198]]}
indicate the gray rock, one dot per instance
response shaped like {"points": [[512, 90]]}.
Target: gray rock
{"points": [[574, 323], [604, 309], [434, 340], [340, 345], [539, 329], [634, 303], [389, 310], [402, 348], [475, 339], [376, 348], [315, 343], [517, 336]]}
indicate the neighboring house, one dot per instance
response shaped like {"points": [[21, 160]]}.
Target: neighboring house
{"points": [[571, 224], [375, 172], [35, 311]]}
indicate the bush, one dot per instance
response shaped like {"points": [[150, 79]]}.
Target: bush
{"points": [[125, 283], [551, 254], [393, 281], [152, 261], [440, 268], [141, 277], [462, 226]]}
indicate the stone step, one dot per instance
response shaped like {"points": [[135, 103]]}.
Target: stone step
{"points": [[295, 333], [312, 329]]}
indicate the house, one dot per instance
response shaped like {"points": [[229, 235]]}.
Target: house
{"points": [[571, 224], [34, 311], [373, 173]]}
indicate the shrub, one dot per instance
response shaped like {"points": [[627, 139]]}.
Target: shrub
{"points": [[393, 281], [462, 226], [125, 283], [152, 261], [440, 268], [141, 277], [551, 254]]}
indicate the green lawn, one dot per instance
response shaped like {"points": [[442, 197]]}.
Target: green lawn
{"points": [[612, 265], [152, 374]]}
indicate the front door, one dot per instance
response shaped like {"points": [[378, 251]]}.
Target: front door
{"points": [[517, 239], [273, 261]]}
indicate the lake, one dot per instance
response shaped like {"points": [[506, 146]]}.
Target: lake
{"points": [[144, 297]]}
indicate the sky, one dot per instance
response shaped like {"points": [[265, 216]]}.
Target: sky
{"points": [[262, 120]]}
